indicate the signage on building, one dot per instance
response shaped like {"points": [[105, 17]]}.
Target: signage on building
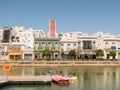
{"points": [[113, 47], [15, 51], [5, 44], [66, 52]]}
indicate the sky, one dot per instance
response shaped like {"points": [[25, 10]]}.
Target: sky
{"points": [[87, 16]]}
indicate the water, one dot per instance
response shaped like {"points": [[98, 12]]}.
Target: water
{"points": [[89, 78]]}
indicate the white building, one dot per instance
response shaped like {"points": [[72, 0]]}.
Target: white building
{"points": [[3, 46], [22, 35], [68, 41], [111, 42], [87, 44], [38, 33], [25, 39]]}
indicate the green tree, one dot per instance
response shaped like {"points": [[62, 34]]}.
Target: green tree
{"points": [[47, 53], [99, 53], [113, 54], [77, 55], [72, 53]]}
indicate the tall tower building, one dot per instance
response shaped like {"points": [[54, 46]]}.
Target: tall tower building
{"points": [[52, 28]]}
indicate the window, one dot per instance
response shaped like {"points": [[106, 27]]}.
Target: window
{"points": [[106, 42], [74, 44], [93, 42], [113, 42], [11, 56], [87, 45], [62, 44], [36, 42], [43, 42], [106, 45], [49, 42], [28, 54], [56, 43], [68, 44], [17, 37]]}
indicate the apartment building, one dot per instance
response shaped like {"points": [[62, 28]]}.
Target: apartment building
{"points": [[38, 33], [111, 42], [41, 44], [23, 37], [87, 44]]}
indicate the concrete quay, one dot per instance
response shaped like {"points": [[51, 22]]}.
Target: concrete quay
{"points": [[60, 63], [19, 80]]}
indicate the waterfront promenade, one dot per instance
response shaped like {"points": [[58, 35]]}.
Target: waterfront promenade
{"points": [[60, 63]]}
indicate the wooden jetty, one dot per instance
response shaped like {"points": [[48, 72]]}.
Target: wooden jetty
{"points": [[21, 80]]}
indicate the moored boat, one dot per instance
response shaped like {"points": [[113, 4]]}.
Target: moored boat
{"points": [[47, 74], [72, 78], [60, 79]]}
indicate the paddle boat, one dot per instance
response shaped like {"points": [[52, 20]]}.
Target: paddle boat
{"points": [[72, 78], [60, 79]]}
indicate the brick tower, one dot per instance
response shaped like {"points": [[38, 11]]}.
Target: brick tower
{"points": [[52, 28]]}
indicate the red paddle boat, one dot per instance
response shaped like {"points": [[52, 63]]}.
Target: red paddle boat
{"points": [[60, 79]]}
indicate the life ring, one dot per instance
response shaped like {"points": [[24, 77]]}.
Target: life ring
{"points": [[6, 67]]}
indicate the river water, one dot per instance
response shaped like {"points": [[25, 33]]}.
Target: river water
{"points": [[89, 78]]}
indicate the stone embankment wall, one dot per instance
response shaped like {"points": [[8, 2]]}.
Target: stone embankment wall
{"points": [[62, 63]]}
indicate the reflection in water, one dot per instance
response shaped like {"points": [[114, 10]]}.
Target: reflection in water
{"points": [[89, 78]]}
